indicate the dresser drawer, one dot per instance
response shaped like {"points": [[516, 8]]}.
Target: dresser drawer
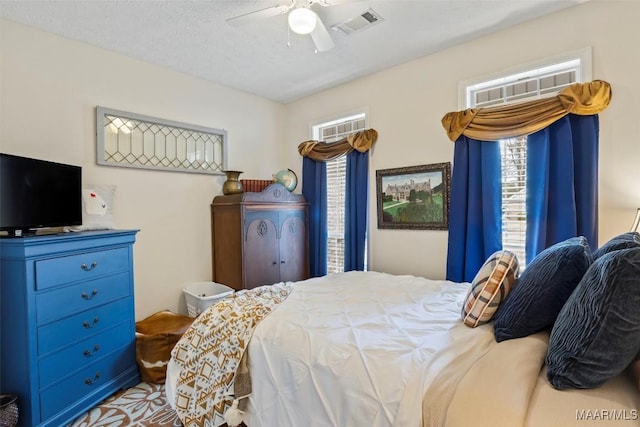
{"points": [[82, 354], [82, 325], [61, 302], [86, 266], [90, 379]]}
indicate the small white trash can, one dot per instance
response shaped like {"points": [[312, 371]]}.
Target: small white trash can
{"points": [[202, 295]]}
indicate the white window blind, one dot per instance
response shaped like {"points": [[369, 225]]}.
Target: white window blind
{"points": [[533, 83], [514, 191], [524, 88], [336, 175]]}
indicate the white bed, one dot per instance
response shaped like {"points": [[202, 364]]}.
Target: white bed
{"points": [[373, 349]]}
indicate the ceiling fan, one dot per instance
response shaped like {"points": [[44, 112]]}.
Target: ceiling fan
{"points": [[302, 19]]}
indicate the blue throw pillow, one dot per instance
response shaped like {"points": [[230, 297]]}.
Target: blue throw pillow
{"points": [[623, 241], [597, 333], [542, 289]]}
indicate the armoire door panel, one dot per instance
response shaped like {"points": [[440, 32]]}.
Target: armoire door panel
{"points": [[293, 249], [261, 254]]}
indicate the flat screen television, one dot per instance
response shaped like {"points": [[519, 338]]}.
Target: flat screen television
{"points": [[36, 194]]}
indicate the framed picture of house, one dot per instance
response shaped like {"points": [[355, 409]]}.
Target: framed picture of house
{"points": [[414, 197]]}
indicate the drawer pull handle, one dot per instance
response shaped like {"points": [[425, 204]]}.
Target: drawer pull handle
{"points": [[89, 353], [86, 267], [92, 324], [88, 297], [95, 379], [281, 261]]}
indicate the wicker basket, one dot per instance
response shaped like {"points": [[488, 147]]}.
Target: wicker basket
{"points": [[8, 410]]}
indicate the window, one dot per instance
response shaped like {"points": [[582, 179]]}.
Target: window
{"points": [[527, 82], [536, 81], [336, 173], [534, 84]]}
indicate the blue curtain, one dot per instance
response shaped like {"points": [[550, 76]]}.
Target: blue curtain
{"points": [[562, 183], [314, 189], [355, 227], [475, 219]]}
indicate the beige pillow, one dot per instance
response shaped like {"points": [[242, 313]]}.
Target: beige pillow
{"points": [[490, 287]]}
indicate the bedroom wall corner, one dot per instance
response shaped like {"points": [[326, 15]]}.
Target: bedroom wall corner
{"points": [[49, 89]]}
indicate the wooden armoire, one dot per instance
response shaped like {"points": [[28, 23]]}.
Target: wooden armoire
{"points": [[259, 238]]}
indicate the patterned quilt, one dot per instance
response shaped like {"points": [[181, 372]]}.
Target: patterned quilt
{"points": [[209, 354]]}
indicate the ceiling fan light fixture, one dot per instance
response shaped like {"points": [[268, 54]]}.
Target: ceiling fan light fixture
{"points": [[302, 20]]}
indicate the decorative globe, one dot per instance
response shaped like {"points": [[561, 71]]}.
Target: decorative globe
{"points": [[286, 177]]}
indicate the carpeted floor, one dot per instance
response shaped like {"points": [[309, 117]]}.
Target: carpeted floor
{"points": [[144, 405]]}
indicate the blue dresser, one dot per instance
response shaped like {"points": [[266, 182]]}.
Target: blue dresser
{"points": [[67, 322]]}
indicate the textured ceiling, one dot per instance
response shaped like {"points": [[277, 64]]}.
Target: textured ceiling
{"points": [[261, 57]]}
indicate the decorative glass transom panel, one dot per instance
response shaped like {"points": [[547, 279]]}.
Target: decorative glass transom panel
{"points": [[137, 141]]}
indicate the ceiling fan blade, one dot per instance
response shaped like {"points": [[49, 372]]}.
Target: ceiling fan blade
{"points": [[321, 37], [260, 14]]}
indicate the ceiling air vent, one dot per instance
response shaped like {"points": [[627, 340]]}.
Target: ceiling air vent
{"points": [[364, 20]]}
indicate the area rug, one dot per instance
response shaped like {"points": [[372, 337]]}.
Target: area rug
{"points": [[144, 405]]}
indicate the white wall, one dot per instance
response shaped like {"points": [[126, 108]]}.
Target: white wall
{"points": [[406, 104], [49, 89]]}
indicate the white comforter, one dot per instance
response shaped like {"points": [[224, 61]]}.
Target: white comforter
{"points": [[351, 350]]}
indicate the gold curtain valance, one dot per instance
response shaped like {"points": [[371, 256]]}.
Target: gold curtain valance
{"points": [[323, 151], [492, 123]]}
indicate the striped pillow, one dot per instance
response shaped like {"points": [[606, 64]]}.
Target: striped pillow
{"points": [[490, 287]]}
